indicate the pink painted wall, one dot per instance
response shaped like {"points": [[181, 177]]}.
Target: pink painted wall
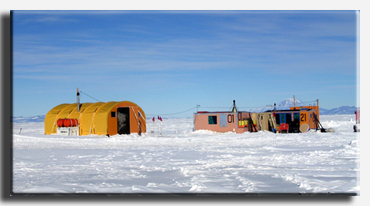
{"points": [[231, 123]]}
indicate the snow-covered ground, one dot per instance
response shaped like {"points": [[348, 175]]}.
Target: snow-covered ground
{"points": [[185, 161]]}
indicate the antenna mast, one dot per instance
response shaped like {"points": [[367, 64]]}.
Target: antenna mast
{"points": [[78, 101]]}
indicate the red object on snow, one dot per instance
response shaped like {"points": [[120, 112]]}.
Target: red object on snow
{"points": [[357, 113], [153, 119], [284, 126]]}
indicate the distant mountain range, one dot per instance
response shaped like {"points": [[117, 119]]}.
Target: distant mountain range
{"points": [[339, 110], [20, 119], [285, 104]]}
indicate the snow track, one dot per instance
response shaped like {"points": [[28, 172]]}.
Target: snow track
{"points": [[183, 161]]}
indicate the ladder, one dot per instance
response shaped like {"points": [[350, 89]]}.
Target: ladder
{"points": [[318, 124], [272, 121]]}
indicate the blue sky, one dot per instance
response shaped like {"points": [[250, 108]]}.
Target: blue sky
{"points": [[168, 62]]}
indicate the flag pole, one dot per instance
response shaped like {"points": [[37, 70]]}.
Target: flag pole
{"points": [[160, 126], [153, 124]]}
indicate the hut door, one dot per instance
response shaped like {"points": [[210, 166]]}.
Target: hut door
{"points": [[123, 120]]}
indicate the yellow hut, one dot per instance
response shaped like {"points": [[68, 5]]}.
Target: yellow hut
{"points": [[99, 118]]}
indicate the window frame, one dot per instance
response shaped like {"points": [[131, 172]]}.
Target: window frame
{"points": [[214, 119]]}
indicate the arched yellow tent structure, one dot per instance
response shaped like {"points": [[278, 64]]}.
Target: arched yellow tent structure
{"points": [[99, 118]]}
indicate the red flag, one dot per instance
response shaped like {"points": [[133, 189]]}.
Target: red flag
{"points": [[153, 119]]}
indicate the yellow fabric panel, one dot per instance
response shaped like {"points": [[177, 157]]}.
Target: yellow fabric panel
{"points": [[76, 115], [50, 118], [87, 117], [101, 118], [64, 113]]}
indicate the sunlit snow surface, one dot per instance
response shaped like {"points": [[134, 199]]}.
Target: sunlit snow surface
{"points": [[183, 161]]}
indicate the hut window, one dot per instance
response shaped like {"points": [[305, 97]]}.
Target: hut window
{"points": [[139, 113], [282, 120], [296, 116], [113, 114], [212, 119]]}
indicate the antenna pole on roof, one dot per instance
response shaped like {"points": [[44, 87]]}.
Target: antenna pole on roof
{"points": [[78, 101]]}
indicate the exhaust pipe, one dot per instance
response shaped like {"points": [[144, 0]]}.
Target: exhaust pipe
{"points": [[234, 110]]}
